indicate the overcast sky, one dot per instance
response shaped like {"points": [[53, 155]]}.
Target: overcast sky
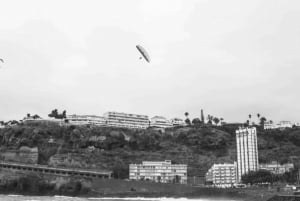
{"points": [[231, 58]]}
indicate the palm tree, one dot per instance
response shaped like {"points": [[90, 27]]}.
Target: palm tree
{"points": [[258, 115], [221, 120], [249, 119], [187, 121], [262, 121]]}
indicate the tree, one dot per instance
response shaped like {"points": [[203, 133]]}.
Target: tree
{"points": [[196, 121], [187, 120], [28, 115], [54, 113], [262, 121], [216, 120], [36, 116], [210, 119], [258, 116], [64, 114], [260, 176]]}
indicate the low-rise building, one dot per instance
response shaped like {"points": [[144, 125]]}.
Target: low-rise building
{"points": [[279, 125], [126, 120], [269, 125], [86, 120], [222, 175], [159, 171], [177, 122], [29, 120], [160, 122], [277, 168], [285, 124]]}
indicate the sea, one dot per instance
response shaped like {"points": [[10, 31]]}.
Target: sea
{"points": [[66, 198]]}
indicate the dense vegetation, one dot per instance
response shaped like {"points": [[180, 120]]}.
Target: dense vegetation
{"points": [[115, 148], [264, 176]]}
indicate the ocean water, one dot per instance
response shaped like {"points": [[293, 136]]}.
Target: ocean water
{"points": [[65, 198]]}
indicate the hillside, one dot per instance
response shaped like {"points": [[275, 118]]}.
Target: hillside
{"points": [[115, 148]]}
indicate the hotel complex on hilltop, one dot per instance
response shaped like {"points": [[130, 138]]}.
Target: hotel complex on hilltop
{"points": [[161, 122], [86, 119], [177, 122], [109, 119], [119, 119], [280, 125], [247, 153], [159, 171], [124, 120]]}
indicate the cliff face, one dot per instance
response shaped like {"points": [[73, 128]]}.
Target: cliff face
{"points": [[115, 148]]}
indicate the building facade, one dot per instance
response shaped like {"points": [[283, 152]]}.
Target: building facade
{"points": [[279, 125], [222, 175], [177, 122], [285, 124], [159, 171], [125, 120], [277, 168], [247, 153], [160, 122], [86, 120], [269, 126]]}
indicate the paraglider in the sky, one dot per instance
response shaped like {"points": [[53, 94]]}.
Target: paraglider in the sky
{"points": [[143, 53]]}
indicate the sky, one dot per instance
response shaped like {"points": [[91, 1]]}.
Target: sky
{"points": [[230, 58]]}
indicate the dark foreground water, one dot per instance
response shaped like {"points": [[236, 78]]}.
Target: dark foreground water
{"points": [[64, 198]]}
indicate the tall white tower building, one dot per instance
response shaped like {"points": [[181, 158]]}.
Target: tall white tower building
{"points": [[247, 153]]}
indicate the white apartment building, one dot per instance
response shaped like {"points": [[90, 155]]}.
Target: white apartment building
{"points": [[60, 122], [277, 168], [222, 175], [177, 122], [160, 122], [269, 125], [86, 120], [285, 124], [125, 120], [159, 171], [247, 153], [281, 124]]}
